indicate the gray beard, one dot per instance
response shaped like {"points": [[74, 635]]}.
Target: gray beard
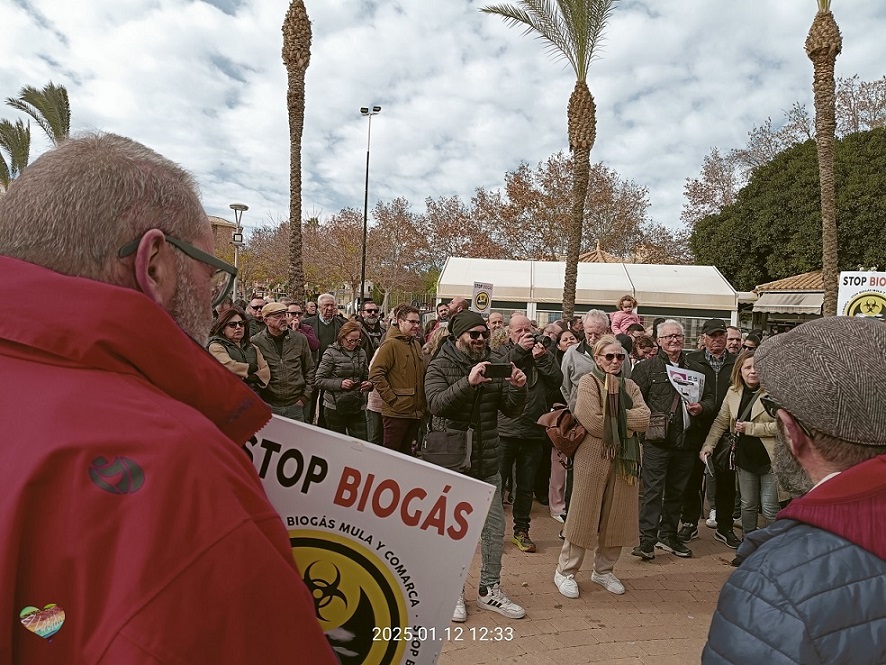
{"points": [[790, 474], [469, 351], [192, 316]]}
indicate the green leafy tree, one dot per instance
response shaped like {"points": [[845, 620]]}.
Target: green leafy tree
{"points": [[573, 29], [49, 107], [15, 141]]}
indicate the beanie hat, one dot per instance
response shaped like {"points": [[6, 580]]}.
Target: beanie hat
{"points": [[829, 373], [464, 321]]}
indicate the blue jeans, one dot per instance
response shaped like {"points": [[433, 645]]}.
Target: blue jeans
{"points": [[527, 454], [294, 411], [757, 489], [492, 537]]}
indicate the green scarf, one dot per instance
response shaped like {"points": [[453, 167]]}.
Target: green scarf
{"points": [[616, 443]]}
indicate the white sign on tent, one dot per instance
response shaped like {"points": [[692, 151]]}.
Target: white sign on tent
{"points": [[382, 540], [482, 300]]}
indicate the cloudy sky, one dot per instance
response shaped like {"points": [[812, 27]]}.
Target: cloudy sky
{"points": [[464, 98]]}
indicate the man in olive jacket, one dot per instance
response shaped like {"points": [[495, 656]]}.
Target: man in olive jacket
{"points": [[292, 367], [460, 397], [398, 374]]}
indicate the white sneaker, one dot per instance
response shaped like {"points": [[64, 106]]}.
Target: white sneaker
{"points": [[460, 614], [497, 601], [566, 584], [609, 582], [560, 518], [711, 521]]}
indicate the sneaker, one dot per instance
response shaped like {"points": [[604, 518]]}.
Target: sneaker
{"points": [[497, 601], [711, 521], [673, 545], [736, 522], [522, 541], [609, 582], [560, 535], [561, 518], [509, 499], [729, 539], [644, 551], [688, 532], [566, 585], [460, 614]]}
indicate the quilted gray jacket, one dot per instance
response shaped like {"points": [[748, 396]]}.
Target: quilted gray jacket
{"points": [[802, 596]]}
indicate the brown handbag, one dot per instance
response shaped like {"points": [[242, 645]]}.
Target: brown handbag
{"points": [[658, 423], [563, 429]]}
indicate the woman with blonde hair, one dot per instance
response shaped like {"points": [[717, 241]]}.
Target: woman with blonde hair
{"points": [[435, 341], [603, 510]]}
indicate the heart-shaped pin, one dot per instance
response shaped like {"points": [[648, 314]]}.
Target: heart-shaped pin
{"points": [[45, 622]]}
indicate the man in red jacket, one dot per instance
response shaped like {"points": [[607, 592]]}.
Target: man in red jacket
{"points": [[133, 528]]}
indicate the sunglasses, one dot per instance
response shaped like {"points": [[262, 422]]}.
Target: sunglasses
{"points": [[294, 314], [237, 324], [257, 308], [370, 311], [612, 356], [772, 408], [748, 348], [477, 334], [222, 282]]}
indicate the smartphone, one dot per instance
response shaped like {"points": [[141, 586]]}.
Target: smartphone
{"points": [[497, 371]]}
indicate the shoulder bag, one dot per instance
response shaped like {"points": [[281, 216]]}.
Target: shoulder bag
{"points": [[723, 456], [450, 449], [657, 432]]}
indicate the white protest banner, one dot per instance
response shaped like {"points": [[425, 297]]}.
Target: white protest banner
{"points": [[482, 299], [382, 541], [862, 294]]}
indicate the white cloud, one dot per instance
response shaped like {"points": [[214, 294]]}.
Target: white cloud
{"points": [[464, 97]]}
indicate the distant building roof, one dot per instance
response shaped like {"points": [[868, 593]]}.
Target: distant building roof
{"points": [[221, 221], [808, 281], [599, 256]]}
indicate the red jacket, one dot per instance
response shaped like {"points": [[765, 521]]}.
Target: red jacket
{"points": [[126, 499]]}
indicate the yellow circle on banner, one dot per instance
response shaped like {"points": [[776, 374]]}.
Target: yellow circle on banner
{"points": [[354, 593], [870, 303], [482, 300]]}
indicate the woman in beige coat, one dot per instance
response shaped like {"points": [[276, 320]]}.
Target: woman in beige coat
{"points": [[605, 496]]}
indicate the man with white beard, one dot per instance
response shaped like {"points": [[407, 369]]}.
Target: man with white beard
{"points": [[810, 587]]}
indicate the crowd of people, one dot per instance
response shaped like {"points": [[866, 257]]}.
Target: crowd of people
{"points": [[130, 508]]}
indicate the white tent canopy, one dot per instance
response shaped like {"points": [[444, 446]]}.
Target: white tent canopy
{"points": [[654, 286]]}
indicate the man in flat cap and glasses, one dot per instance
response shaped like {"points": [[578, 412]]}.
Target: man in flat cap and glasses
{"points": [[129, 512], [810, 588]]}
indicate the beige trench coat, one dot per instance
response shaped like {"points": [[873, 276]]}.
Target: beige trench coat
{"points": [[604, 508]]}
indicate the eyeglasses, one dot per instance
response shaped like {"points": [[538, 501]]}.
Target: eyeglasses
{"points": [[222, 279], [370, 311], [294, 314], [257, 308], [352, 340], [672, 337], [612, 356], [477, 334], [237, 324], [772, 407], [412, 322]]}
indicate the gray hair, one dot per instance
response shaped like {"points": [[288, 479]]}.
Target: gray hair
{"points": [[73, 208], [325, 296], [672, 323], [596, 315]]}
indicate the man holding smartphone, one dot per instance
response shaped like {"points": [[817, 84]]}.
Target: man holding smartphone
{"points": [[460, 396]]}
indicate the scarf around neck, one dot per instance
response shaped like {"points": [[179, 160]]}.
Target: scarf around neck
{"points": [[617, 444]]}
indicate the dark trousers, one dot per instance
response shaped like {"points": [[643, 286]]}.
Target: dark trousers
{"points": [[692, 495], [664, 474], [374, 427], [725, 500], [543, 471], [526, 453], [352, 424], [400, 433]]}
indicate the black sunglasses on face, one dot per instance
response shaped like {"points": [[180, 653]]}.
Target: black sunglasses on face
{"points": [[477, 334], [222, 278], [237, 324], [293, 314], [772, 408], [612, 356], [371, 311], [748, 348]]}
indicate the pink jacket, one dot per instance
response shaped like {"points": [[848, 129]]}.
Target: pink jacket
{"points": [[127, 499], [619, 321]]}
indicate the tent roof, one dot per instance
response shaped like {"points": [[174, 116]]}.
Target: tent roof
{"points": [[808, 302], [672, 286]]}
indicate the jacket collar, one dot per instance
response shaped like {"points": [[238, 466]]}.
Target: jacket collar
{"points": [[125, 333]]}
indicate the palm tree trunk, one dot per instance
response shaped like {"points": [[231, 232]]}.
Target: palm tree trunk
{"points": [[823, 44], [296, 57]]}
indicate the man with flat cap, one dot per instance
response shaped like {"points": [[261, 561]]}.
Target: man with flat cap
{"points": [[810, 588]]}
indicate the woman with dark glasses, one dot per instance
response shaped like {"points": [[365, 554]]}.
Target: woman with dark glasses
{"points": [[603, 510], [229, 343]]}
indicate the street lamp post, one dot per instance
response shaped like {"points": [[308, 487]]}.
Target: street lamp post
{"points": [[237, 237], [366, 112]]}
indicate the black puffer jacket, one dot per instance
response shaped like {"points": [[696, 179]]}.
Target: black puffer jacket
{"points": [[719, 381], [451, 398], [652, 378], [543, 377]]}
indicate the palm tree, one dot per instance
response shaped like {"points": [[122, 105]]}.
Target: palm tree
{"points": [[15, 140], [296, 57], [573, 30], [48, 107], [823, 45]]}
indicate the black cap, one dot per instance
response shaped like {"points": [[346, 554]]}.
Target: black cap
{"points": [[712, 326]]}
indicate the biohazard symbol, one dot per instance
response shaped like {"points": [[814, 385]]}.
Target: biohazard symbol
{"points": [[482, 301], [871, 304], [323, 591]]}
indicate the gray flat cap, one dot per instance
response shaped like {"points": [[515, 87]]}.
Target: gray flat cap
{"points": [[831, 374]]}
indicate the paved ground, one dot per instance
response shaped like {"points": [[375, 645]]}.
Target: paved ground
{"points": [[662, 619]]}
